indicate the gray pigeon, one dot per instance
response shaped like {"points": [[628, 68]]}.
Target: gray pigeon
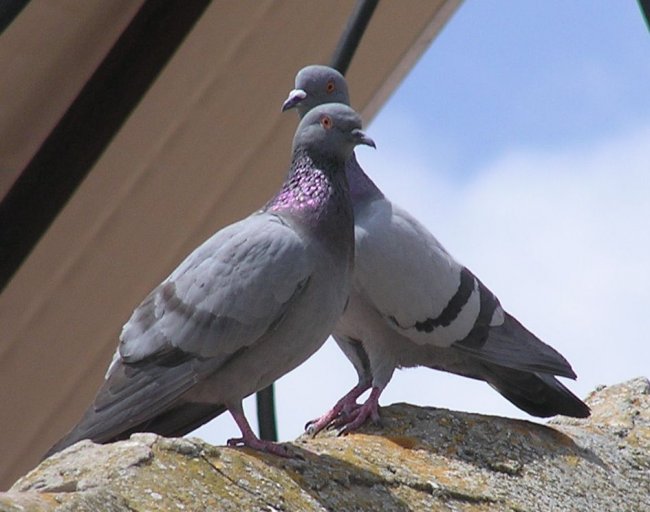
{"points": [[247, 306], [412, 304]]}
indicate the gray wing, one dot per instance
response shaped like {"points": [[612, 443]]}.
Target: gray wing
{"points": [[431, 299], [221, 299], [223, 296], [410, 279]]}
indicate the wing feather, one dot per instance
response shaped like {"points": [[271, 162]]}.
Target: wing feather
{"points": [[221, 299], [422, 292], [223, 296]]}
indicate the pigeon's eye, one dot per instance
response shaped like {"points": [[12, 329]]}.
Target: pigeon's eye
{"points": [[326, 122], [330, 87]]}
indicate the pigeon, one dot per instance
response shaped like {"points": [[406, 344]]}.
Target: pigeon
{"points": [[412, 304], [247, 306]]}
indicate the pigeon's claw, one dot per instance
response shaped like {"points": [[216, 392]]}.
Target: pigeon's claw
{"points": [[370, 409], [313, 427], [358, 419], [249, 438], [263, 446], [342, 408]]}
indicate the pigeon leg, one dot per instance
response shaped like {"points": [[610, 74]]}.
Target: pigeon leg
{"points": [[251, 440], [370, 409], [346, 404]]}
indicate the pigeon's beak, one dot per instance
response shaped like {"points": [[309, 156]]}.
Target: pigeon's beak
{"points": [[360, 137], [295, 97]]}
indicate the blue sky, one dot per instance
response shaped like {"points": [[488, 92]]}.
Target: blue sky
{"points": [[521, 139], [546, 74]]}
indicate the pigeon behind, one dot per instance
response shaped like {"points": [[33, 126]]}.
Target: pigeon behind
{"points": [[412, 304]]}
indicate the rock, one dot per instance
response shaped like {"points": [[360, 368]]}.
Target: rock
{"points": [[420, 459]]}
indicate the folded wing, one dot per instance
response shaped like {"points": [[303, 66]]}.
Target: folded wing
{"points": [[428, 297], [223, 298]]}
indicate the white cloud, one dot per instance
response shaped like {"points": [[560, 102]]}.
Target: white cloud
{"points": [[562, 238]]}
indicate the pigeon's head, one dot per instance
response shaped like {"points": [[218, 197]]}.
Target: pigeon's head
{"points": [[314, 86], [330, 131]]}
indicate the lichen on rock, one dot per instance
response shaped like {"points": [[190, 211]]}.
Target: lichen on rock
{"points": [[420, 459]]}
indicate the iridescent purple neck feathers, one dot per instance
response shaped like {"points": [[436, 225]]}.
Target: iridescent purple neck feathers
{"points": [[315, 194], [362, 188]]}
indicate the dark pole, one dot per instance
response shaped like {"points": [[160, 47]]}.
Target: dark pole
{"points": [[266, 414], [352, 34], [645, 9], [87, 127], [9, 9], [348, 43]]}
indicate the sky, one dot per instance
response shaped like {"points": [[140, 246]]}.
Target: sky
{"points": [[521, 140]]}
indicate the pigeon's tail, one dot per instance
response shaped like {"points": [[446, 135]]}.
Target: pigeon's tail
{"points": [[513, 346], [182, 419], [176, 422], [143, 401], [539, 394]]}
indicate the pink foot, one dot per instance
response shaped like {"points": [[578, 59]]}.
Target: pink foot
{"points": [[370, 409], [252, 441], [258, 444], [345, 405]]}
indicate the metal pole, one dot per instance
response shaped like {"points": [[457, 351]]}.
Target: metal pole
{"points": [[9, 9], [266, 414], [352, 34], [645, 9]]}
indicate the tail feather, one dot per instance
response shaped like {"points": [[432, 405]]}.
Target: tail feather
{"points": [[513, 346], [539, 394], [181, 420], [175, 422], [140, 401]]}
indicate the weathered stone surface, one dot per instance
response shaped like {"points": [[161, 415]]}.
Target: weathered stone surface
{"points": [[421, 459]]}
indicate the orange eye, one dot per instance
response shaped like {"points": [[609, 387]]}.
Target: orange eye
{"points": [[330, 87], [326, 122]]}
